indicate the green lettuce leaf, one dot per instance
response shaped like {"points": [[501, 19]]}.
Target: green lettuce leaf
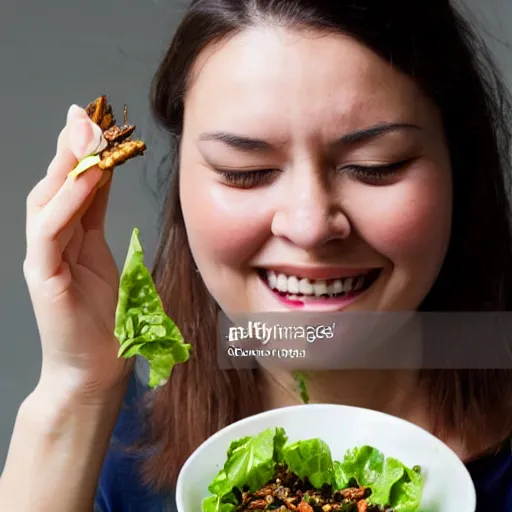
{"points": [[406, 493], [364, 464], [142, 326], [280, 441], [252, 461], [303, 390], [217, 504], [310, 459], [391, 482]]}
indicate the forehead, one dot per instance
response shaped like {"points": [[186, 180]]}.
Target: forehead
{"points": [[284, 78]]}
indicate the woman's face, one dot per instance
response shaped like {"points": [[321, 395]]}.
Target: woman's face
{"points": [[313, 176]]}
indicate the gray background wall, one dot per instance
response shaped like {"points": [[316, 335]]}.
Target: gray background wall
{"points": [[59, 52]]}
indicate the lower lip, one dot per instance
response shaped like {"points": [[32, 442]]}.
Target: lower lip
{"points": [[335, 303]]}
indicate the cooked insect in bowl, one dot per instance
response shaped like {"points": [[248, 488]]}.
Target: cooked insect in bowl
{"points": [[265, 472]]}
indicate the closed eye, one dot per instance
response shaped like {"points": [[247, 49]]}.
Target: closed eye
{"points": [[259, 177], [248, 179], [374, 173]]}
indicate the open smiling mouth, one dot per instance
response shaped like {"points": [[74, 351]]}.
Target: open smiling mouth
{"points": [[297, 290]]}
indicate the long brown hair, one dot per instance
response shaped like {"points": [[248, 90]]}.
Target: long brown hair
{"points": [[433, 43]]}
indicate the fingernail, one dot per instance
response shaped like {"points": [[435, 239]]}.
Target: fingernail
{"points": [[99, 143], [75, 112], [86, 138]]}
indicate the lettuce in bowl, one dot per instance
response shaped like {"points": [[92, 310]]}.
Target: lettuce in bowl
{"points": [[265, 472]]}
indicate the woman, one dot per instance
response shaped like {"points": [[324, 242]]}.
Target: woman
{"points": [[318, 140]]}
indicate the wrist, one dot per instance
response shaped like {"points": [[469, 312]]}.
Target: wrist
{"points": [[77, 387], [50, 404], [59, 435]]}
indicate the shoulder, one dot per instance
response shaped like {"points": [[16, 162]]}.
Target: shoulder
{"points": [[492, 476], [120, 488]]}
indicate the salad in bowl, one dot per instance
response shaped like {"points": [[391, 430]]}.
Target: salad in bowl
{"points": [[324, 458]]}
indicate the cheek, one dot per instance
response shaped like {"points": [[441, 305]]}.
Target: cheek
{"points": [[408, 223], [225, 226]]}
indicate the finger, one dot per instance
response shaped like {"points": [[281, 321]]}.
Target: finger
{"points": [[73, 247], [95, 216], [68, 232], [96, 255], [64, 160], [75, 113], [56, 204], [107, 175], [80, 137], [88, 141], [75, 139], [69, 201], [63, 139], [44, 247], [45, 189], [66, 249]]}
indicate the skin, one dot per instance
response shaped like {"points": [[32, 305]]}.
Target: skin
{"points": [[259, 84], [314, 210]]}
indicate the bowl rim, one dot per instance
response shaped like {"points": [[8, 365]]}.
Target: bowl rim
{"points": [[269, 414]]}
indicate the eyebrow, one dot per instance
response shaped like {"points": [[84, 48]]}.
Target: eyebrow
{"points": [[250, 144], [237, 141], [374, 132]]}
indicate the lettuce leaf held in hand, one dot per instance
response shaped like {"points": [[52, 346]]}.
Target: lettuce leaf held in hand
{"points": [[142, 326]]}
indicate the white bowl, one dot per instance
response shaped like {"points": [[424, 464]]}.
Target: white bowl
{"points": [[448, 485]]}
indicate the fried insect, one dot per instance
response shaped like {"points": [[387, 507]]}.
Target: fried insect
{"points": [[287, 492], [119, 154], [100, 112], [120, 148]]}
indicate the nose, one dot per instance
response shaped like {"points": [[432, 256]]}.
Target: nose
{"points": [[310, 215]]}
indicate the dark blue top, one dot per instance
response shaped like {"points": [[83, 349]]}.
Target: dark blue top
{"points": [[120, 488]]}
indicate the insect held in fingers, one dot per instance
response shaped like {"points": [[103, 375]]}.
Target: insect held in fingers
{"points": [[116, 146]]}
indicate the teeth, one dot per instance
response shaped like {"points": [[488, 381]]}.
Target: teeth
{"points": [[282, 283], [347, 284], [320, 288], [295, 285], [305, 287], [337, 286]]}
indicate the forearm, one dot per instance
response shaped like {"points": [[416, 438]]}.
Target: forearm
{"points": [[56, 453]]}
